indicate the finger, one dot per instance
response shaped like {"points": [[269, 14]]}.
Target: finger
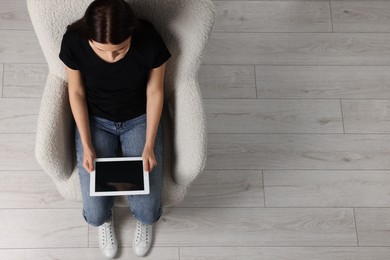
{"points": [[88, 166], [153, 165], [147, 165], [85, 165]]}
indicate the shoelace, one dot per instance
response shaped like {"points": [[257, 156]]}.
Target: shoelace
{"points": [[107, 227], [142, 233]]}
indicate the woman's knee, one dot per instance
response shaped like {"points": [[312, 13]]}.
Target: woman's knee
{"points": [[148, 217], [145, 208], [95, 218]]}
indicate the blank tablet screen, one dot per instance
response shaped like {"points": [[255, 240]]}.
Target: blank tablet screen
{"points": [[119, 176]]}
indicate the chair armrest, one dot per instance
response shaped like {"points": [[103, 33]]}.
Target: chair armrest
{"points": [[189, 138], [54, 147]]}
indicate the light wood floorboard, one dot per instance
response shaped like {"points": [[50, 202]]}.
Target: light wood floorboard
{"points": [[298, 49], [1, 79], [14, 15], [366, 116], [313, 82], [273, 116], [42, 228], [327, 188], [272, 0], [284, 253], [220, 81], [299, 151], [19, 115], [24, 80], [36, 190], [20, 46], [158, 253], [272, 16], [373, 226], [226, 188], [17, 152], [361, 16], [232, 227]]}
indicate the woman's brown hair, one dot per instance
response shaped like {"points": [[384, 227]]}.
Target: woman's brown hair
{"points": [[107, 21]]}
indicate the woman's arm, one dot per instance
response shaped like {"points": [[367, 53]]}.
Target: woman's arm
{"points": [[154, 105], [78, 104]]}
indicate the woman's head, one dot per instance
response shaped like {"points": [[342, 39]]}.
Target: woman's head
{"points": [[107, 22]]}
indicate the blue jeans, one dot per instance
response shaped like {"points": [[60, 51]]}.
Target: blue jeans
{"points": [[106, 137]]}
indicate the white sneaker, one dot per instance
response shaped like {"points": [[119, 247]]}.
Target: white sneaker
{"points": [[107, 239], [142, 239]]}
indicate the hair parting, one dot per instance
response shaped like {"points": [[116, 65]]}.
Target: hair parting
{"points": [[107, 21]]}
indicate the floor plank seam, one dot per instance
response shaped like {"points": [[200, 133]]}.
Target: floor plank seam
{"points": [[298, 32], [342, 116], [294, 133], [13, 29], [186, 246], [275, 246], [293, 65], [305, 99], [251, 169], [2, 82], [357, 235], [10, 98], [273, 207], [298, 98], [331, 15], [254, 71], [71, 247], [262, 177], [28, 63], [256, 169]]}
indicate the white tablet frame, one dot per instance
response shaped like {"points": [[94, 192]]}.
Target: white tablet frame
{"points": [[92, 191]]}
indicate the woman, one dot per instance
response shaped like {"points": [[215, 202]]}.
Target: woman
{"points": [[115, 65]]}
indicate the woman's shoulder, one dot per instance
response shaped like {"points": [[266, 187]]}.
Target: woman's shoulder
{"points": [[71, 36], [70, 49], [146, 27], [144, 24]]}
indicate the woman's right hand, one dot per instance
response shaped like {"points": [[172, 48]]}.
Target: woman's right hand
{"points": [[89, 156]]}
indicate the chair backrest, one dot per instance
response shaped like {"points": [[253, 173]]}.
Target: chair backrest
{"points": [[178, 22]]}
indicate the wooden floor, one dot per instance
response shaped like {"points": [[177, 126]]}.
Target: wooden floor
{"points": [[297, 96]]}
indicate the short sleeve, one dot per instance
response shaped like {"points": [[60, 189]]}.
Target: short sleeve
{"points": [[66, 55], [161, 51]]}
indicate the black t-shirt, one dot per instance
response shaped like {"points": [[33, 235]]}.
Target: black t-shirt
{"points": [[116, 91]]}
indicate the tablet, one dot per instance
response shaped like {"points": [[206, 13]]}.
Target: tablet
{"points": [[119, 176]]}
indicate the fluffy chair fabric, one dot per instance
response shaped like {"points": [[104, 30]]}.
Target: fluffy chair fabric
{"points": [[185, 26]]}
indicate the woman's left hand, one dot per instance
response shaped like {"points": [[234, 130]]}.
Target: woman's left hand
{"points": [[149, 159]]}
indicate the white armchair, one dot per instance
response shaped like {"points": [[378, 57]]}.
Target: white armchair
{"points": [[185, 26]]}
